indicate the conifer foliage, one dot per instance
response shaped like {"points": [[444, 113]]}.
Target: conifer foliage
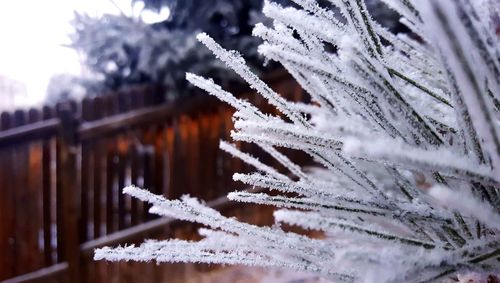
{"points": [[405, 133]]}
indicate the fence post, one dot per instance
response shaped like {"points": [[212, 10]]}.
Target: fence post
{"points": [[69, 191]]}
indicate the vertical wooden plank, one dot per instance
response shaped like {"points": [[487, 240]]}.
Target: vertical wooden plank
{"points": [[231, 162], [159, 160], [54, 196], [128, 101], [47, 193], [34, 195], [169, 147], [193, 154], [111, 108], [140, 99], [182, 162], [158, 94], [97, 270], [90, 272], [122, 162], [24, 235], [148, 175], [133, 99], [110, 172], [208, 147], [75, 108], [85, 173], [7, 206], [98, 167], [87, 190], [135, 173], [98, 185], [121, 174], [179, 158], [225, 163], [149, 98], [58, 196], [216, 130], [120, 101], [68, 183], [214, 152]]}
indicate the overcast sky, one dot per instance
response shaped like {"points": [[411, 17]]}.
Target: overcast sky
{"points": [[32, 33]]}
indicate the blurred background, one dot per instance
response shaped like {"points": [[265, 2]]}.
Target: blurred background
{"points": [[93, 98]]}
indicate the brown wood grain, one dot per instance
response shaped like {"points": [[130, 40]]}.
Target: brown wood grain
{"points": [[35, 195], [47, 188], [25, 239], [7, 206], [69, 193]]}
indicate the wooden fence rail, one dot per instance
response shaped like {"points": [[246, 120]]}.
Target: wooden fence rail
{"points": [[62, 169]]}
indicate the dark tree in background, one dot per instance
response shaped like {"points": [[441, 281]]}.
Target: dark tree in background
{"points": [[124, 51], [121, 51]]}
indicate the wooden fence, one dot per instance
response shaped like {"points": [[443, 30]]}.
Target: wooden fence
{"points": [[62, 169]]}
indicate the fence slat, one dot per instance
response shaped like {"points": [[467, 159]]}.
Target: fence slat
{"points": [[86, 175], [148, 175], [68, 184], [179, 159], [7, 207], [47, 193], [34, 195], [121, 175], [169, 149], [135, 173], [159, 159], [24, 206], [110, 172], [98, 169]]}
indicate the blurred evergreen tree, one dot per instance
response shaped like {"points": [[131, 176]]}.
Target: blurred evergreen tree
{"points": [[123, 50]]}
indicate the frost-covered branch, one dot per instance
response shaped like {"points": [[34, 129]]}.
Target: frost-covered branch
{"points": [[403, 132]]}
